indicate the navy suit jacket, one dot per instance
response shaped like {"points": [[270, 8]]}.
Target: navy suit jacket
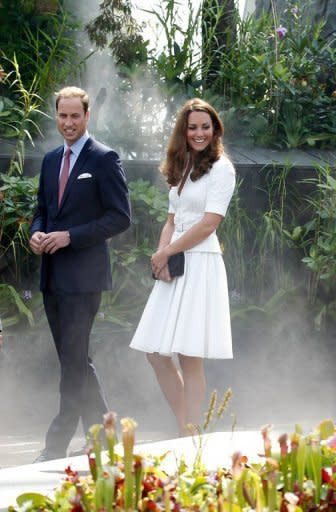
{"points": [[95, 206]]}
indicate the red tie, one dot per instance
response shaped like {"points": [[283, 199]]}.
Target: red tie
{"points": [[64, 175]]}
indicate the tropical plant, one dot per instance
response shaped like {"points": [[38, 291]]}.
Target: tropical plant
{"points": [[281, 80], [19, 119], [234, 236], [153, 88], [254, 242], [130, 257], [13, 307], [151, 78], [17, 201], [50, 53], [116, 28], [178, 58], [299, 476], [275, 83], [149, 202], [317, 238], [18, 193], [271, 244], [38, 35], [219, 33]]}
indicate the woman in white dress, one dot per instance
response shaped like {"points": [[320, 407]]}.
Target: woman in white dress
{"points": [[189, 315]]}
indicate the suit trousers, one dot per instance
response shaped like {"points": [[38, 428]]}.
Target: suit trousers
{"points": [[70, 318]]}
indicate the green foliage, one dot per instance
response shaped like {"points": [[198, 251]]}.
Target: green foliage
{"points": [[275, 84], [130, 259], [219, 33], [234, 237], [37, 34], [20, 120], [254, 243], [152, 79], [317, 238], [9, 118], [282, 84], [322, 250], [50, 53], [181, 59], [264, 274], [149, 203], [12, 306], [116, 28], [17, 196], [177, 62], [297, 475], [37, 54], [17, 202]]}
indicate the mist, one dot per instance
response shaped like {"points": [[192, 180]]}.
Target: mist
{"points": [[283, 374]]}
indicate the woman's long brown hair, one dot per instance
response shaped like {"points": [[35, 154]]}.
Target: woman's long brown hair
{"points": [[177, 152]]}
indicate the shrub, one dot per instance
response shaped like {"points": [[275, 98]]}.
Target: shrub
{"points": [[281, 81]]}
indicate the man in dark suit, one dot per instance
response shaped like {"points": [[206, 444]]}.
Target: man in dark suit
{"points": [[82, 201]]}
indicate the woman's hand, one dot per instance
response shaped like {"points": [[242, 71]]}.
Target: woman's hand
{"points": [[164, 275], [158, 261]]}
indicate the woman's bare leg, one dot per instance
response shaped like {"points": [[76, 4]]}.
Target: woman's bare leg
{"points": [[171, 384], [194, 388]]}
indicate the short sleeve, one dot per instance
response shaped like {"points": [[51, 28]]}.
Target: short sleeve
{"points": [[221, 185], [171, 208]]}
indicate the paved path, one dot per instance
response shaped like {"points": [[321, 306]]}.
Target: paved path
{"points": [[21, 449]]}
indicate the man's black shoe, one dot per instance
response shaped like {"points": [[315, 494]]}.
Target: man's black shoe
{"points": [[45, 455]]}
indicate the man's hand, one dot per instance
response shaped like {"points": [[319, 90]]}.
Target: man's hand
{"points": [[36, 241], [55, 240]]}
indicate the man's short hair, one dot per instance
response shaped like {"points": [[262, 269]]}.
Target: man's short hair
{"points": [[73, 92]]}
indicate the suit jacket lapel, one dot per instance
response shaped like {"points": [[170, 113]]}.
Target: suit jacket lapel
{"points": [[76, 169]]}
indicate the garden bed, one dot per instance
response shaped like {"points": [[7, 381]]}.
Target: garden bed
{"points": [[297, 474]]}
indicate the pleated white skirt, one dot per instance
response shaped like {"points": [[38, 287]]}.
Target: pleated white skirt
{"points": [[190, 315]]}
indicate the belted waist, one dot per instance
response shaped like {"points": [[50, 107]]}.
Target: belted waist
{"points": [[183, 226], [210, 244]]}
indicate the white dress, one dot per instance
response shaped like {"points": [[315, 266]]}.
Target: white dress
{"points": [[190, 314]]}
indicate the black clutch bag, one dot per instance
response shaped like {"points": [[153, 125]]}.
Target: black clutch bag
{"points": [[175, 265]]}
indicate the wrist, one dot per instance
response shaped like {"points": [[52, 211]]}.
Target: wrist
{"points": [[167, 250]]}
